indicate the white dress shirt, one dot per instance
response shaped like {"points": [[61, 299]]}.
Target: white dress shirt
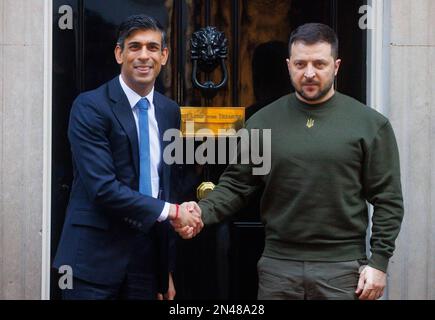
{"points": [[155, 149]]}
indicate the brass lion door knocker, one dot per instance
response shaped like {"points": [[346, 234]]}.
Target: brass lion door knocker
{"points": [[208, 51]]}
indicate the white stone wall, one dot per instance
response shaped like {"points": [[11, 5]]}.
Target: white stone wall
{"points": [[21, 147], [412, 113]]}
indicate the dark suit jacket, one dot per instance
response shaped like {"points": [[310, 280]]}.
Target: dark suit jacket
{"points": [[105, 210]]}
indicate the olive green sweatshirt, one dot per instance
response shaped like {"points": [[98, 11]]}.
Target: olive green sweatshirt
{"points": [[327, 160]]}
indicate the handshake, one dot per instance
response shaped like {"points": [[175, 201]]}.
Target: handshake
{"points": [[186, 219]]}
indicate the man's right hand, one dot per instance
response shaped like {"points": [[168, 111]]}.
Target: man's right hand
{"points": [[188, 223]]}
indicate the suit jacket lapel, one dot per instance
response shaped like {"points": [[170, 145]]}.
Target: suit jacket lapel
{"points": [[162, 118], [122, 110]]}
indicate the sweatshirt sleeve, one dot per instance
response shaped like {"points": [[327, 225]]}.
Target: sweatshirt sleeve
{"points": [[382, 188], [231, 194], [237, 183]]}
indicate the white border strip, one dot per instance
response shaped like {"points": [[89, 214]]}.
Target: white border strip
{"points": [[47, 135]]}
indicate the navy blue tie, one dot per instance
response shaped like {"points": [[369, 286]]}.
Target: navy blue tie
{"points": [[144, 148]]}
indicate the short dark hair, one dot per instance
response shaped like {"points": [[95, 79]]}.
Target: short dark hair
{"points": [[311, 33], [139, 22]]}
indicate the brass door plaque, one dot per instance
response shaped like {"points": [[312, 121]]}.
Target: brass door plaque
{"points": [[218, 120]]}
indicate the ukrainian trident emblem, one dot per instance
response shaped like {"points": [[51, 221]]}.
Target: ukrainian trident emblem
{"points": [[310, 123]]}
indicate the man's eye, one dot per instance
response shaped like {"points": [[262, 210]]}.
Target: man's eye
{"points": [[299, 65], [153, 48], [134, 47]]}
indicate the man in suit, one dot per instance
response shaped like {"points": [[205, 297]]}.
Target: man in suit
{"points": [[117, 236]]}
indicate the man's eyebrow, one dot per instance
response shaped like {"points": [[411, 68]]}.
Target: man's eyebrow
{"points": [[147, 43], [154, 43], [132, 42], [315, 60]]}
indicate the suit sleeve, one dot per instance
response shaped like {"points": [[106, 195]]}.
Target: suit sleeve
{"points": [[88, 134]]}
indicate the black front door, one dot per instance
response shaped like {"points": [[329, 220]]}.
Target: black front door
{"points": [[221, 262]]}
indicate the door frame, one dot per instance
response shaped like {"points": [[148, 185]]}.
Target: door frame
{"points": [[377, 98], [378, 67], [378, 73]]}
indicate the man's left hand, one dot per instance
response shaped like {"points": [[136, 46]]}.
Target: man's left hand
{"points": [[371, 284], [170, 294]]}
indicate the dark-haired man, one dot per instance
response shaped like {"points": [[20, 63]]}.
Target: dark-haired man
{"points": [[116, 236], [329, 155]]}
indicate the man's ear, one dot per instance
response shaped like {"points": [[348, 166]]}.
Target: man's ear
{"points": [[288, 64], [165, 55], [337, 65], [118, 54]]}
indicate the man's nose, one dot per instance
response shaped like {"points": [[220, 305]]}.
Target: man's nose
{"points": [[144, 54], [309, 72]]}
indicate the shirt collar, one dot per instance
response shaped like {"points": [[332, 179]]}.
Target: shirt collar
{"points": [[133, 97]]}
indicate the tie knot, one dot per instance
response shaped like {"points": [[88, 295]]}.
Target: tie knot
{"points": [[143, 104]]}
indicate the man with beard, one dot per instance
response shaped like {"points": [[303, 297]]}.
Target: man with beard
{"points": [[330, 155]]}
